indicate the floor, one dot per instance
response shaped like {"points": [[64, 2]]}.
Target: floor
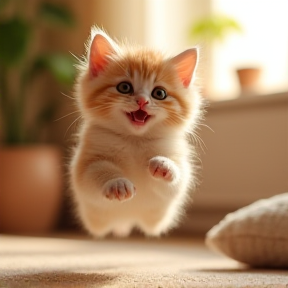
{"points": [[66, 261]]}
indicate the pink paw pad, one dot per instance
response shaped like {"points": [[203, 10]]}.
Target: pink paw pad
{"points": [[161, 167], [119, 189]]}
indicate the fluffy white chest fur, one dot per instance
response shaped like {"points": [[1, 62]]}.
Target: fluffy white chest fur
{"points": [[158, 184], [133, 166]]}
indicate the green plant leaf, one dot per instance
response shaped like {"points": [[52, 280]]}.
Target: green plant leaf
{"points": [[214, 27], [56, 14], [61, 66], [14, 40]]}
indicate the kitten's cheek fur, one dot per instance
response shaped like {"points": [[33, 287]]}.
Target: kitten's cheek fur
{"points": [[163, 168], [119, 189]]}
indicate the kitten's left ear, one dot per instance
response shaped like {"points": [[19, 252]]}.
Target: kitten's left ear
{"points": [[185, 64], [99, 50]]}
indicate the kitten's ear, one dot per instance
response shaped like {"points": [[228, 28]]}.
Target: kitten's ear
{"points": [[99, 50], [185, 64]]}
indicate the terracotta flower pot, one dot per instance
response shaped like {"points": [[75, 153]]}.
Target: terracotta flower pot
{"points": [[30, 189], [248, 79]]}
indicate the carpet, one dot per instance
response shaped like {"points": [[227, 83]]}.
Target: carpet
{"points": [[137, 262]]}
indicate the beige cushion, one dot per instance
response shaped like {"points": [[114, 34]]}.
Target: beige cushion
{"points": [[256, 234]]}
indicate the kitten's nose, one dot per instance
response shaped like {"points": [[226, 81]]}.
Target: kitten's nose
{"points": [[142, 102]]}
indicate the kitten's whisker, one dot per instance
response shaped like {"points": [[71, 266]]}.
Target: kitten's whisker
{"points": [[197, 140], [102, 106], [66, 115], [67, 96], [76, 57], [200, 142], [71, 125], [204, 125]]}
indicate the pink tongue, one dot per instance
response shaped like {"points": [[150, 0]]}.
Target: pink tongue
{"points": [[139, 115]]}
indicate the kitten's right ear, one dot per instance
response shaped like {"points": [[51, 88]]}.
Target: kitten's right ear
{"points": [[185, 64], [99, 50]]}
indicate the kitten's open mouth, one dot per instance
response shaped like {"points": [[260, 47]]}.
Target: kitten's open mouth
{"points": [[138, 117]]}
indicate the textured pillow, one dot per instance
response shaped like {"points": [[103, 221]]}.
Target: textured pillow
{"points": [[256, 234]]}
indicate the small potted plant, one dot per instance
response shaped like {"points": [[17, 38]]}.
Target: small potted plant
{"points": [[30, 170]]}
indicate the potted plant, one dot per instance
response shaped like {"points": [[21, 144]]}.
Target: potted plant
{"points": [[30, 170], [216, 27]]}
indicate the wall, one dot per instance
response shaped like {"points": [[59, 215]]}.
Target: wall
{"points": [[245, 159]]}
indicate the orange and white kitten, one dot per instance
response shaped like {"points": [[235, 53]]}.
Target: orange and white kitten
{"points": [[133, 166]]}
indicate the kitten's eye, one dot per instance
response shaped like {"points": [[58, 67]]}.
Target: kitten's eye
{"points": [[125, 88], [159, 93]]}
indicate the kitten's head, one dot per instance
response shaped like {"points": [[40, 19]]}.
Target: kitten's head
{"points": [[135, 90]]}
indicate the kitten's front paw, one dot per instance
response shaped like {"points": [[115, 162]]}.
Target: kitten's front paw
{"points": [[119, 188], [162, 167]]}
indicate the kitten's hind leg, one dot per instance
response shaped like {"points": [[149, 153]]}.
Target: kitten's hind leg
{"points": [[164, 168]]}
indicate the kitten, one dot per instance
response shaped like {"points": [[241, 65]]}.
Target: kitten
{"points": [[133, 166]]}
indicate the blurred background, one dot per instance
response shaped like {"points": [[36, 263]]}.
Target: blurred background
{"points": [[243, 73]]}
